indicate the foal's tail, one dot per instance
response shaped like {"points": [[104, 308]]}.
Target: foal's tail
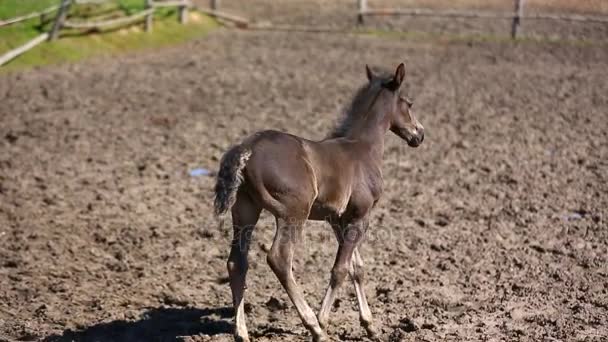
{"points": [[229, 178]]}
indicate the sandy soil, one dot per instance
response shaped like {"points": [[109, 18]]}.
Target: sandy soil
{"points": [[494, 229]]}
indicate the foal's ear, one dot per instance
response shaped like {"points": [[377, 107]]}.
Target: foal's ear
{"points": [[370, 73], [394, 83], [399, 74]]}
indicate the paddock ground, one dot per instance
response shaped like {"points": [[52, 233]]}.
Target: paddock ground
{"points": [[494, 229]]}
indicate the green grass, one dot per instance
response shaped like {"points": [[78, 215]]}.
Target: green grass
{"points": [[131, 6], [75, 45], [14, 8]]}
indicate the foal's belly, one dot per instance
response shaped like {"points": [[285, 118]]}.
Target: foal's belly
{"points": [[321, 212]]}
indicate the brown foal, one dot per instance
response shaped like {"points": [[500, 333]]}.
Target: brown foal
{"points": [[338, 180]]}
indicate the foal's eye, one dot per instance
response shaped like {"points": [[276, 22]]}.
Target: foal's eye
{"points": [[407, 100]]}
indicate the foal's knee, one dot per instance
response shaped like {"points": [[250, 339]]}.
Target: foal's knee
{"points": [[231, 266], [236, 264], [234, 268], [338, 274], [358, 274], [277, 263]]}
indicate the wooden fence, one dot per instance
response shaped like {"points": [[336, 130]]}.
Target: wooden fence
{"points": [[12, 54], [517, 16], [147, 16], [19, 19], [61, 21]]}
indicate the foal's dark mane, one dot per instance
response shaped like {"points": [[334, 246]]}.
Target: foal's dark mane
{"points": [[359, 105]]}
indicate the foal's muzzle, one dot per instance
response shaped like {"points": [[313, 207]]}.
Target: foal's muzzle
{"points": [[417, 139]]}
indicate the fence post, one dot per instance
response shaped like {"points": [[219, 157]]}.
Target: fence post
{"points": [[519, 13], [362, 7], [149, 17], [183, 12], [215, 5], [62, 13]]}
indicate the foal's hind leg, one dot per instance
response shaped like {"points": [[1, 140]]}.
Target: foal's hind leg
{"points": [[357, 275], [280, 258], [349, 237], [245, 214]]}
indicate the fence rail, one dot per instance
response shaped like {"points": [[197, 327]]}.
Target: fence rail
{"points": [[90, 2], [15, 20], [481, 14], [240, 21], [567, 17], [107, 23], [169, 3], [61, 21], [22, 49], [434, 13], [147, 14], [517, 16]]}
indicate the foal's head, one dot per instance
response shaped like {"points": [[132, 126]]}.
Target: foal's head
{"points": [[400, 115]]}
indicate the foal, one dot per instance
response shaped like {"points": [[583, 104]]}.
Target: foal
{"points": [[338, 180]]}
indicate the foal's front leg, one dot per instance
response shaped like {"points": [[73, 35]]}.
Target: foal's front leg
{"points": [[356, 273], [349, 236]]}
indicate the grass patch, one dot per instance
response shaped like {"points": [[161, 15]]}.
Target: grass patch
{"points": [[131, 6], [76, 45], [15, 8]]}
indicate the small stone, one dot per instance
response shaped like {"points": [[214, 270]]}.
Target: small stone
{"points": [[273, 304], [407, 325]]}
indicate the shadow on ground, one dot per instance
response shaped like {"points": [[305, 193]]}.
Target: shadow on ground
{"points": [[158, 324]]}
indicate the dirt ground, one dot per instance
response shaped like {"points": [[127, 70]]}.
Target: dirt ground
{"points": [[494, 229]]}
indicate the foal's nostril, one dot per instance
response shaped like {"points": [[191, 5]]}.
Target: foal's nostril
{"points": [[421, 137]]}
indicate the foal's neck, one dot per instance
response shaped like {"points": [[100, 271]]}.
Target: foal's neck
{"points": [[369, 131]]}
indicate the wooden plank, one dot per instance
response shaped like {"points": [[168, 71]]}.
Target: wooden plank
{"points": [[22, 49], [568, 17], [90, 2], [299, 28], [108, 23], [61, 15], [437, 13], [241, 22], [482, 14], [168, 3], [28, 16]]}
